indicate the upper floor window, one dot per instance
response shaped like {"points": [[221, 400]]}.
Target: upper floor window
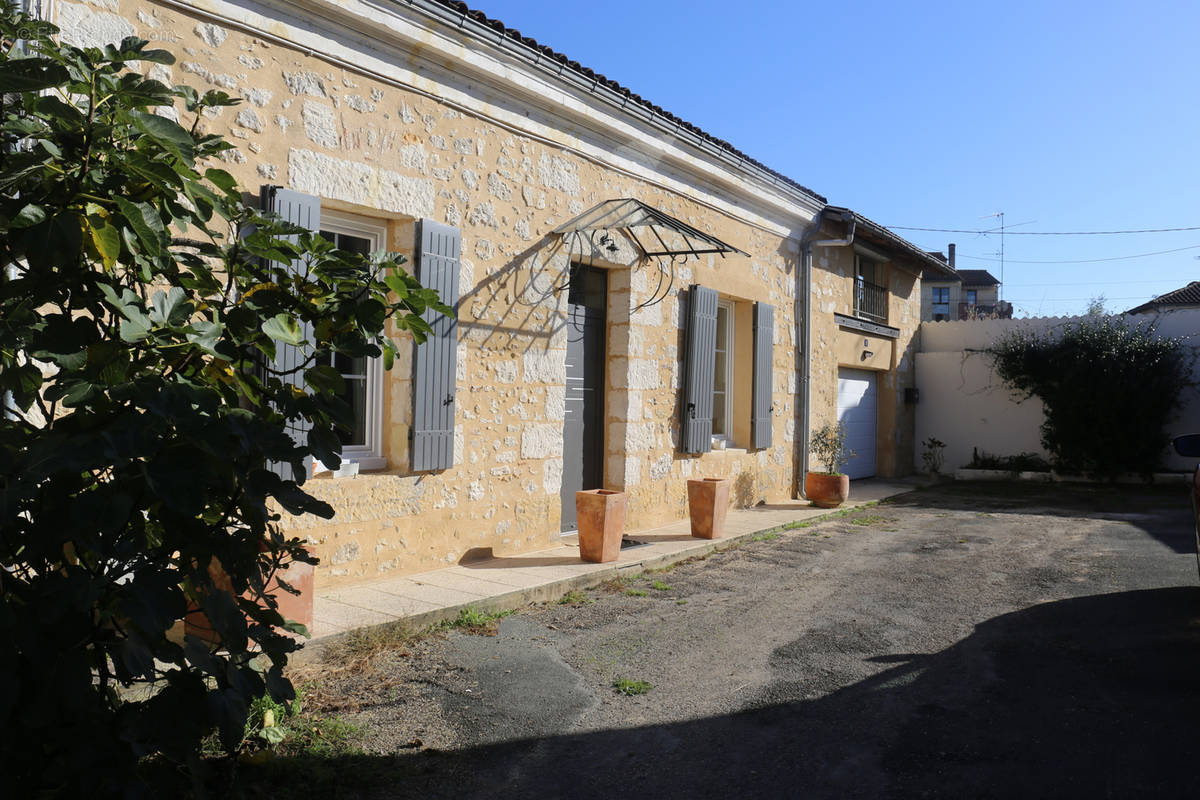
{"points": [[972, 296], [363, 390], [941, 303], [870, 296]]}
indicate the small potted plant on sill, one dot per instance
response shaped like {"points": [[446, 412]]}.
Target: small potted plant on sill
{"points": [[828, 489]]}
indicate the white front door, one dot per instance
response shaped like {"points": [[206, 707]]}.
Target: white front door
{"points": [[857, 411]]}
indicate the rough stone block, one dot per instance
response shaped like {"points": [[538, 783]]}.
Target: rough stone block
{"points": [[542, 441]]}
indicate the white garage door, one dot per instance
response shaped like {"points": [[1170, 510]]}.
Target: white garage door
{"points": [[857, 412]]}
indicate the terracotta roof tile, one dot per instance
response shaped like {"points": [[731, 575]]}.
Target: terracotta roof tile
{"points": [[1186, 296]]}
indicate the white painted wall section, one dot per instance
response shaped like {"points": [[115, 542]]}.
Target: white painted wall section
{"points": [[964, 404]]}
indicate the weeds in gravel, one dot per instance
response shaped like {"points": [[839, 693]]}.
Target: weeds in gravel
{"points": [[615, 585], [659, 586], [575, 598], [764, 537], [636, 592], [477, 621], [867, 520], [354, 652], [630, 688], [796, 525]]}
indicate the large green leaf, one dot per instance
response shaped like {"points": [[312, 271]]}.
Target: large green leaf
{"points": [[30, 74], [31, 214], [105, 240], [146, 224], [169, 308], [283, 328], [169, 134]]}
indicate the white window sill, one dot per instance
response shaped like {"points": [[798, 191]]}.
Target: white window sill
{"points": [[364, 463]]}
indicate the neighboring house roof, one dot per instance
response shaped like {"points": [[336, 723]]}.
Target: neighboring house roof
{"points": [[977, 277], [542, 51], [923, 257], [1187, 296]]}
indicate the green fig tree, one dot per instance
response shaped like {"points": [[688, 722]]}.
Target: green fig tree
{"points": [[142, 301]]}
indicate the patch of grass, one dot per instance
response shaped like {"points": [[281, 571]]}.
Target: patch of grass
{"points": [[764, 537], [321, 737], [666, 569], [477, 621], [870, 519], [659, 586], [630, 688], [681, 602], [575, 598], [636, 592], [363, 644], [614, 585], [275, 732], [796, 525], [845, 512]]}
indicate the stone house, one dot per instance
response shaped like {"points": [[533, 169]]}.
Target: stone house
{"points": [[638, 303], [964, 294]]}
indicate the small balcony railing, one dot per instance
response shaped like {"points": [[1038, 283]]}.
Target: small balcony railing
{"points": [[870, 301]]}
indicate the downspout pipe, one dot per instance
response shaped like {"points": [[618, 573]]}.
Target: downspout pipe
{"points": [[806, 260]]}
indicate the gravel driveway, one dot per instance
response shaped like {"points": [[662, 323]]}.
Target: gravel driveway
{"points": [[974, 640]]}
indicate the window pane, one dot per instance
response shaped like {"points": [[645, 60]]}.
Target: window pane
{"points": [[356, 396], [346, 241], [718, 422], [354, 373], [355, 366], [721, 374]]}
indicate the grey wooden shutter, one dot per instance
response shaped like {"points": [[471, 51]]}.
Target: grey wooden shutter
{"points": [[700, 363], [435, 364], [763, 403], [303, 210]]}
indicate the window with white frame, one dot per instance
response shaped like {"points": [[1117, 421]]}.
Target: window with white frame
{"points": [[363, 377], [723, 373]]}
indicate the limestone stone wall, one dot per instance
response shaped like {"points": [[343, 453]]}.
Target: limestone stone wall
{"points": [[894, 360], [368, 147]]}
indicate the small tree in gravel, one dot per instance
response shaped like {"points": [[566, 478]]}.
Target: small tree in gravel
{"points": [[141, 305]]}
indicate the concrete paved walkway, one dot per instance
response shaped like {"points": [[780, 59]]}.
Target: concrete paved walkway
{"points": [[509, 582]]}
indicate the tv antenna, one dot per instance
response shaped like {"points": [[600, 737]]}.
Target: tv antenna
{"points": [[999, 214]]}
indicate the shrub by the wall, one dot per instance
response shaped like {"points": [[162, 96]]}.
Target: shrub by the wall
{"points": [[1109, 389]]}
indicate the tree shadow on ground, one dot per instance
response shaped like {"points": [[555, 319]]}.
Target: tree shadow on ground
{"points": [[1089, 697]]}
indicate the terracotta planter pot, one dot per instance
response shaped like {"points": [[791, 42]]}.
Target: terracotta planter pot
{"points": [[708, 501], [826, 491], [601, 516], [298, 608]]}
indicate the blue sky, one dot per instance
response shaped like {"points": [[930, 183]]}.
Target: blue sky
{"points": [[1068, 116]]}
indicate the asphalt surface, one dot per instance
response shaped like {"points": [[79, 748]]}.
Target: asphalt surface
{"points": [[964, 641]]}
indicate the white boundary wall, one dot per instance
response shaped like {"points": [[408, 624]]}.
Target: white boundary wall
{"points": [[964, 404]]}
